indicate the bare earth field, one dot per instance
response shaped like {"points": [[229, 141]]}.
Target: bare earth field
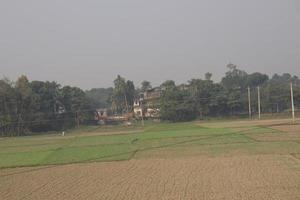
{"points": [[238, 177], [248, 172]]}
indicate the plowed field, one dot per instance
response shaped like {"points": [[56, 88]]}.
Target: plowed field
{"points": [[246, 161], [235, 177]]}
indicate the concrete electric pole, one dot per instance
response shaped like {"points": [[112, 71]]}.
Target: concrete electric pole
{"points": [[249, 100], [292, 100], [258, 100]]}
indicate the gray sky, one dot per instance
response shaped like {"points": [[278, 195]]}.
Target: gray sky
{"points": [[86, 43]]}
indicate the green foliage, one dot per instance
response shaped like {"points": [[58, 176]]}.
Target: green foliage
{"points": [[40, 106], [146, 85], [235, 78], [176, 105], [99, 97], [130, 94], [202, 98], [123, 95]]}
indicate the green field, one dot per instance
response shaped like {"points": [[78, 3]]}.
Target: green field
{"points": [[122, 143]]}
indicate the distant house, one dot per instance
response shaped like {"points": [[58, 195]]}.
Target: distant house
{"points": [[102, 113], [152, 94], [137, 108], [147, 104], [105, 116]]}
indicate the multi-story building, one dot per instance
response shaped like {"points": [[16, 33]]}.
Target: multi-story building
{"points": [[147, 104]]}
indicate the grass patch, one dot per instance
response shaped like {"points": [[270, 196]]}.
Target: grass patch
{"points": [[78, 146]]}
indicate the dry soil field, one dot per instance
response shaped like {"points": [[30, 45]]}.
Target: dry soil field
{"points": [[184, 172]]}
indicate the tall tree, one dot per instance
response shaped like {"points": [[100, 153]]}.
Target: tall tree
{"points": [[123, 95], [46, 113], [208, 76], [99, 97], [200, 91], [168, 85], [26, 104], [175, 104], [7, 108], [234, 77], [130, 94], [146, 85], [75, 103]]}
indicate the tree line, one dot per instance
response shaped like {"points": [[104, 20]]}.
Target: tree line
{"points": [[201, 98], [37, 106]]}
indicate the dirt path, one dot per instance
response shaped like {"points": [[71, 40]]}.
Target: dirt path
{"points": [[248, 123], [236, 177]]}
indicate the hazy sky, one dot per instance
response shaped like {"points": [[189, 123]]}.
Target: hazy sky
{"points": [[87, 43]]}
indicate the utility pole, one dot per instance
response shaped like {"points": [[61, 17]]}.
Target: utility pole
{"points": [[292, 100], [249, 101], [258, 96]]}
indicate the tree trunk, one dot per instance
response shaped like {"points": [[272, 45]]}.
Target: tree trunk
{"points": [[126, 103]]}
